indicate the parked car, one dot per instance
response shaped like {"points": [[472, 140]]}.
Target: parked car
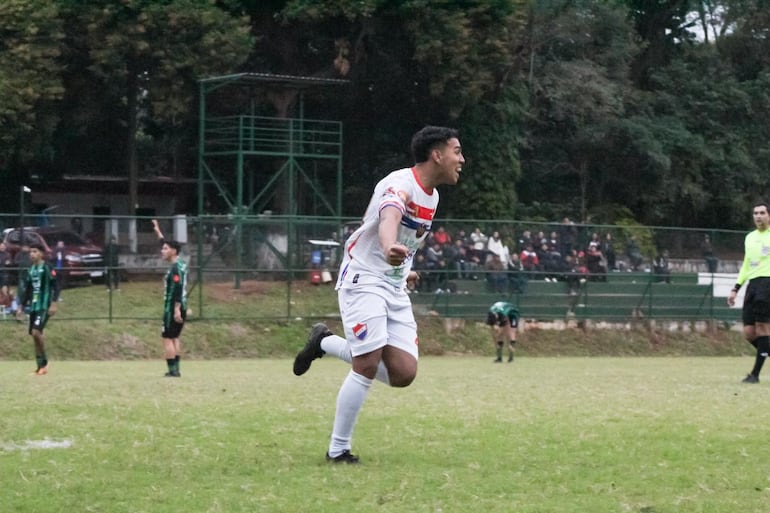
{"points": [[81, 259]]}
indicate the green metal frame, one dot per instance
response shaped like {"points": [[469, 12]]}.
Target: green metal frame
{"points": [[299, 143]]}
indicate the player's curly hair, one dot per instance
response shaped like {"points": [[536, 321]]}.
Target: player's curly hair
{"points": [[428, 138]]}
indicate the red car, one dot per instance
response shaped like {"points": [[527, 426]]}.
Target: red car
{"points": [[80, 259]]}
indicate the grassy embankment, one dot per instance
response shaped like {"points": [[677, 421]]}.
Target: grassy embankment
{"points": [[242, 324]]}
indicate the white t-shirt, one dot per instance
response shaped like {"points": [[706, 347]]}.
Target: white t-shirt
{"points": [[364, 260], [496, 246]]}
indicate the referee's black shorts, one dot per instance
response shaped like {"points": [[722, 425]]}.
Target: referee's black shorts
{"points": [[756, 302]]}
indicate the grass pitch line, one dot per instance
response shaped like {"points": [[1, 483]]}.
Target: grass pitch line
{"points": [[37, 444]]}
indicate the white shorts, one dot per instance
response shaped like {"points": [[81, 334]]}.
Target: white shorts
{"points": [[375, 317]]}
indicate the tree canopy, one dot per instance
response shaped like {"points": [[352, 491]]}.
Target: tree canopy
{"points": [[576, 108]]}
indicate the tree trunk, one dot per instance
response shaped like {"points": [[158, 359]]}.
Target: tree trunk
{"points": [[583, 173], [131, 119]]}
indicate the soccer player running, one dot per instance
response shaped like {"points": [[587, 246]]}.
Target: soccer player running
{"points": [[174, 301], [380, 330], [756, 302], [40, 289], [503, 317]]}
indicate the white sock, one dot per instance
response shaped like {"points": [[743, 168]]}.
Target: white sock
{"points": [[351, 397], [339, 347]]}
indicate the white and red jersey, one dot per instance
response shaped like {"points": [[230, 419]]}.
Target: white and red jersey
{"points": [[364, 260]]}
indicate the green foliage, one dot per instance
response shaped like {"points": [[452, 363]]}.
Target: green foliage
{"points": [[466, 51], [490, 145], [629, 227], [30, 61], [704, 121], [623, 105], [315, 11], [579, 88], [150, 54]]}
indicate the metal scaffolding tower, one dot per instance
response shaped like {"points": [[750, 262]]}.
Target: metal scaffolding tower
{"points": [[250, 158]]}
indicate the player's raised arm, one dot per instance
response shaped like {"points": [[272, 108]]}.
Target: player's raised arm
{"points": [[156, 229]]}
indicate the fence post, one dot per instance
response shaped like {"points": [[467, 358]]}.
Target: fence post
{"points": [[200, 266]]}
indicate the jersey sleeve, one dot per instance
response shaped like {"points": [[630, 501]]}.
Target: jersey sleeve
{"points": [[177, 278], [396, 193], [392, 198]]}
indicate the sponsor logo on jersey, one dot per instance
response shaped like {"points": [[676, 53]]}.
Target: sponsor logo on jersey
{"points": [[360, 330]]}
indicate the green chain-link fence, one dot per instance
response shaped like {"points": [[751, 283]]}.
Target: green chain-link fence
{"points": [[293, 261]]}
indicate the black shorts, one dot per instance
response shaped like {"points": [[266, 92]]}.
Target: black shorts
{"points": [[171, 328], [499, 320], [756, 302], [37, 321]]}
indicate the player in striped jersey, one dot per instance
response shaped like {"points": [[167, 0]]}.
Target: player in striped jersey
{"points": [[39, 292], [380, 331]]}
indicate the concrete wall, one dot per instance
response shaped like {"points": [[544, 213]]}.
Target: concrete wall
{"points": [[83, 205]]}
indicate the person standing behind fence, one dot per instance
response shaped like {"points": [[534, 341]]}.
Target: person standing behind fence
{"points": [[660, 267], [174, 301], [22, 262], [112, 258], [59, 259], [380, 330], [40, 292], [608, 250], [712, 262], [5, 276], [634, 254], [756, 302]]}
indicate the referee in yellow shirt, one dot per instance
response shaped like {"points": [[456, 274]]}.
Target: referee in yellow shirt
{"points": [[756, 302]]}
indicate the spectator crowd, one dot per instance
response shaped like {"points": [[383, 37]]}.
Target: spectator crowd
{"points": [[506, 260]]}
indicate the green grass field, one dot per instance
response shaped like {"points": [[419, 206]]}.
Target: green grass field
{"points": [[641, 435]]}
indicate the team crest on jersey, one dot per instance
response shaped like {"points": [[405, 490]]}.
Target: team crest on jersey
{"points": [[360, 330]]}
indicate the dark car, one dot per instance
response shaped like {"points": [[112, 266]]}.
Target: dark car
{"points": [[80, 258]]}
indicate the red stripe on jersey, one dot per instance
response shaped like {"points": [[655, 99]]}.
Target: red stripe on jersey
{"points": [[419, 211], [352, 245]]}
